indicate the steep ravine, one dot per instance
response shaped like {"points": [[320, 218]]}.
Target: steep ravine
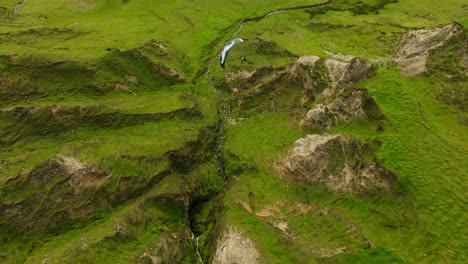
{"points": [[224, 109], [225, 106], [308, 148]]}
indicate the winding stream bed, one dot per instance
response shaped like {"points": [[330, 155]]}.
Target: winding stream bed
{"points": [[225, 106]]}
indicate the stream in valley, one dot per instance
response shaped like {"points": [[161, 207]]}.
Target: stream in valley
{"points": [[224, 110]]}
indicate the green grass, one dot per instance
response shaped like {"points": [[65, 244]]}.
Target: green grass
{"points": [[423, 142], [257, 140], [115, 24], [142, 220], [426, 145], [371, 36], [96, 146], [98, 234]]}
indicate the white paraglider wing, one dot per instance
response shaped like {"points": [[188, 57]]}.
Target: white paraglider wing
{"points": [[227, 49]]}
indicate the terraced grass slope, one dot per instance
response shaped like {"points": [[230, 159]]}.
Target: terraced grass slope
{"points": [[122, 141]]}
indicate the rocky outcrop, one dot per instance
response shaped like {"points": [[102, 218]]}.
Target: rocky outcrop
{"points": [[336, 104], [336, 161], [343, 109], [416, 46], [344, 74], [64, 190], [232, 248], [330, 83], [172, 247], [357, 69], [58, 191], [308, 60], [336, 70], [264, 87]]}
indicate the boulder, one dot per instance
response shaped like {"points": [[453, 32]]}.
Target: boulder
{"points": [[338, 162], [233, 248], [308, 60], [347, 73], [416, 45], [343, 109]]}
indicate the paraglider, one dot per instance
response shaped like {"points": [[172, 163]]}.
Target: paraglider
{"points": [[227, 49]]}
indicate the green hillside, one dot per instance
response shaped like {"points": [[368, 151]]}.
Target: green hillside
{"points": [[336, 134]]}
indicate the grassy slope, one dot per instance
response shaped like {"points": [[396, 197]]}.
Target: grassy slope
{"points": [[138, 217], [46, 32], [114, 24], [370, 36], [424, 143]]}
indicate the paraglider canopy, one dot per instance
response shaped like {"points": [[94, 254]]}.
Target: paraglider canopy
{"points": [[224, 54]]}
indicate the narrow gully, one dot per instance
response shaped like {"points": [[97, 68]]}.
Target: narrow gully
{"points": [[224, 110], [225, 106]]}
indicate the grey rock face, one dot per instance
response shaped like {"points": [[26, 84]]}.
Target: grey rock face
{"points": [[416, 46], [234, 248], [338, 105], [339, 162], [343, 109], [347, 73]]}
